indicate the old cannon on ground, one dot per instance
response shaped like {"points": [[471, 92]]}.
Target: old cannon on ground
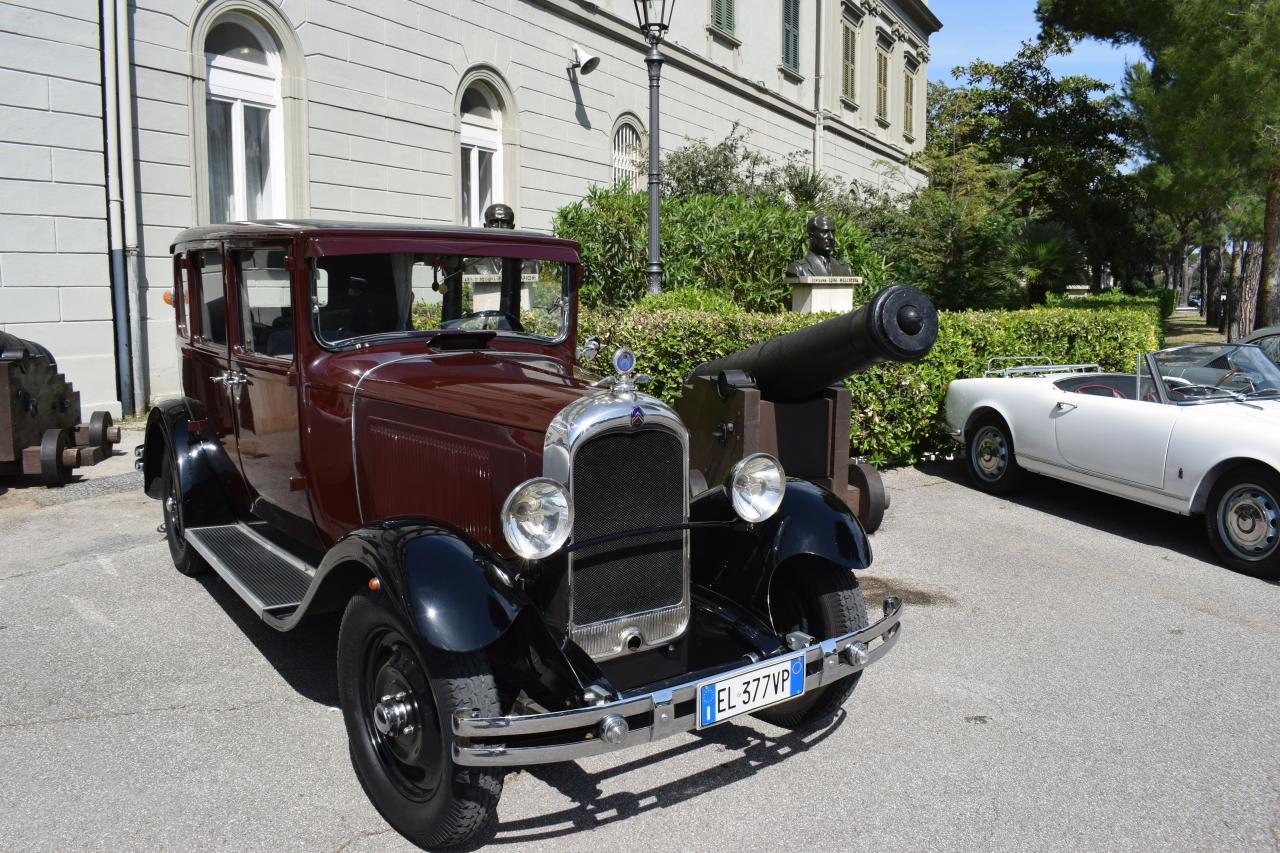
{"points": [[41, 432], [782, 397]]}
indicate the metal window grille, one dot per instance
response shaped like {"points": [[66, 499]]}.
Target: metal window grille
{"points": [[791, 34], [882, 85], [908, 102], [628, 155], [849, 55], [722, 15]]}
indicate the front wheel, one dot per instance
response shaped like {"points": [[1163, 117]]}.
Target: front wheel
{"points": [[822, 600], [988, 453], [397, 716], [1243, 521]]}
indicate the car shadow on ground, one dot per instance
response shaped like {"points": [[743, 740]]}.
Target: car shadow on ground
{"points": [[305, 657], [755, 753], [1107, 513]]}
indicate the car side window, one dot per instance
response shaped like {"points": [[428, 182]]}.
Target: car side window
{"points": [[1271, 346], [213, 296], [266, 318]]}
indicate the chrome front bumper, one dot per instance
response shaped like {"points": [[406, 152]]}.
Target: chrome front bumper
{"points": [[581, 732]]}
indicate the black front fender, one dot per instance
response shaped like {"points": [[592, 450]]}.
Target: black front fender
{"points": [[453, 592], [740, 560]]}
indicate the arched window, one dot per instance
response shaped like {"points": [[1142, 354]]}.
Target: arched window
{"points": [[628, 152], [244, 125], [481, 152]]}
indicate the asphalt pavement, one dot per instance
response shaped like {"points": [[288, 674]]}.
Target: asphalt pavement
{"points": [[1074, 673]]}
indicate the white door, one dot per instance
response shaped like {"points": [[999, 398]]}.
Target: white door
{"points": [[1124, 439]]}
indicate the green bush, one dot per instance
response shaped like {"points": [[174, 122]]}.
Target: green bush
{"points": [[1164, 299], [689, 299], [737, 246], [897, 408]]}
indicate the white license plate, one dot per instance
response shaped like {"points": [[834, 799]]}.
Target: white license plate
{"points": [[750, 689]]}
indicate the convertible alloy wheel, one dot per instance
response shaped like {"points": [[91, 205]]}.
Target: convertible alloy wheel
{"points": [[993, 466], [1243, 520], [1247, 521]]}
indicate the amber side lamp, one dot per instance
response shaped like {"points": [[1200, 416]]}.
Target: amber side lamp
{"points": [[168, 297]]}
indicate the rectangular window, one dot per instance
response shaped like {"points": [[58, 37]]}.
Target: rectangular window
{"points": [[882, 85], [266, 319], [791, 34], [213, 297], [909, 102], [849, 61], [722, 15]]}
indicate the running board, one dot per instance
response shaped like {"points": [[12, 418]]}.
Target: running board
{"points": [[270, 579]]}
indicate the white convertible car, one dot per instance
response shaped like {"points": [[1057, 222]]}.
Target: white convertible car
{"points": [[1193, 430]]}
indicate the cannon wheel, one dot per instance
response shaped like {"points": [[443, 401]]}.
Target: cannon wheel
{"points": [[873, 500], [100, 430], [53, 471]]}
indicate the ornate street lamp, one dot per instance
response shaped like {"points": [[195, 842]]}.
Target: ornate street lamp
{"points": [[654, 17]]}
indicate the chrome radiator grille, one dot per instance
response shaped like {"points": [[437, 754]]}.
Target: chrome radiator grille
{"points": [[638, 586]]}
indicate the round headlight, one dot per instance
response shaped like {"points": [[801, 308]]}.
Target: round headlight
{"points": [[757, 484], [537, 518]]}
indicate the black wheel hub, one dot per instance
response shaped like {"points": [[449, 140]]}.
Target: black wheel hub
{"points": [[399, 716]]}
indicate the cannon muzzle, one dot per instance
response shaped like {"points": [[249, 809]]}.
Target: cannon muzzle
{"points": [[898, 324]]}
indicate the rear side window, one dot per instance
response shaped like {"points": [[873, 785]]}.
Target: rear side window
{"points": [[213, 296], [266, 322], [1271, 346]]}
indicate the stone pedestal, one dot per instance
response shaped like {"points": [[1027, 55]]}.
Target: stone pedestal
{"points": [[486, 291], [812, 294]]}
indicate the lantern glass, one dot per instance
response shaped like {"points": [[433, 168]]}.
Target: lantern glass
{"points": [[654, 16]]}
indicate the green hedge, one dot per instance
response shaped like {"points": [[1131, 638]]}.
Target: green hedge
{"points": [[736, 246], [897, 409], [1165, 300]]}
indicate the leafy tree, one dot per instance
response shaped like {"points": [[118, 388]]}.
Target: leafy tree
{"points": [[1211, 88]]}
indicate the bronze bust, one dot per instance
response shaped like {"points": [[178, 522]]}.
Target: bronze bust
{"points": [[499, 216], [818, 263]]}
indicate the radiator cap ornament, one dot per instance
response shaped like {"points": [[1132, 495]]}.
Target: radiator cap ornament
{"points": [[624, 361]]}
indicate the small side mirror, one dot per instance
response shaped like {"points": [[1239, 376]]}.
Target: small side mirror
{"points": [[589, 350]]}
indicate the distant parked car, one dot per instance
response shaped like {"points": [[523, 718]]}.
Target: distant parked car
{"points": [[1193, 430], [1193, 299], [1268, 338]]}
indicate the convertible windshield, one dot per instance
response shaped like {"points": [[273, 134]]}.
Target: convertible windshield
{"points": [[1217, 372], [358, 296]]}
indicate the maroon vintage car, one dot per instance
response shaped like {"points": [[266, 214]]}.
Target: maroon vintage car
{"points": [[392, 422]]}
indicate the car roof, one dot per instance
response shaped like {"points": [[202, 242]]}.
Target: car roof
{"points": [[258, 228], [1264, 332]]}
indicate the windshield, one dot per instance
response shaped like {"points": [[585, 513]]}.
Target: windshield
{"points": [[403, 293], [1217, 372]]}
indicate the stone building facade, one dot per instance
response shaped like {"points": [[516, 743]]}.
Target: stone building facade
{"points": [[124, 121]]}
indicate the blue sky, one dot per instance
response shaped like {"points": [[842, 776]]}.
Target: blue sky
{"points": [[993, 29]]}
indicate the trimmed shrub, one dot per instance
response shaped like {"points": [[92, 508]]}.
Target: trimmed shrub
{"points": [[1164, 299], [897, 408], [737, 246], [689, 299]]}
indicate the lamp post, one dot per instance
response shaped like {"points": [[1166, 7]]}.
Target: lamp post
{"points": [[654, 17]]}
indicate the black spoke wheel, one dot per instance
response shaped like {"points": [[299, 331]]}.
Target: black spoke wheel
{"points": [[989, 456], [185, 558], [822, 600], [397, 714], [1242, 519]]}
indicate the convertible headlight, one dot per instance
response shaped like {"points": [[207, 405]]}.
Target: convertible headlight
{"points": [[757, 485], [537, 518]]}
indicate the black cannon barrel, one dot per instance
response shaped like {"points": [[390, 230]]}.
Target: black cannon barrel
{"points": [[14, 348], [898, 324]]}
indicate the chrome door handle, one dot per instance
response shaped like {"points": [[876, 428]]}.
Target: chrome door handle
{"points": [[1064, 407], [237, 378]]}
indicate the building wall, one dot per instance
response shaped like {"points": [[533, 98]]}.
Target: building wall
{"points": [[54, 282], [375, 90]]}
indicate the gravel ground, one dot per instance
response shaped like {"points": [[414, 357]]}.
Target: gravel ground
{"points": [[1074, 673]]}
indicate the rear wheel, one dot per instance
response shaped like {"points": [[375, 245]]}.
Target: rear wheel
{"points": [[989, 455], [1243, 520], [397, 716], [185, 558], [822, 600]]}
